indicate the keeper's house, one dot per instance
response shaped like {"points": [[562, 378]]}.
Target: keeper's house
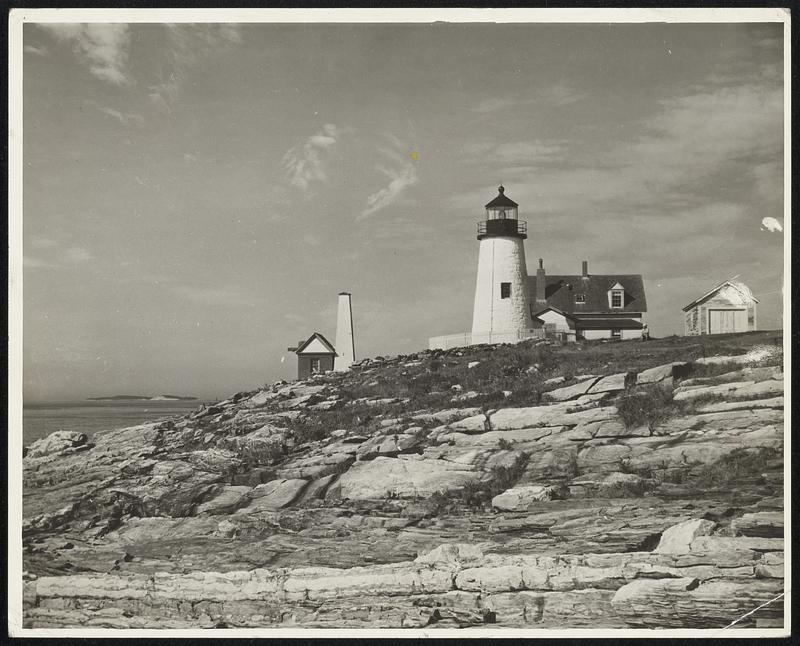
{"points": [[588, 306], [729, 307]]}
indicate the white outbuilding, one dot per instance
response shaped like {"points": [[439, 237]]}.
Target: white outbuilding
{"points": [[729, 307]]}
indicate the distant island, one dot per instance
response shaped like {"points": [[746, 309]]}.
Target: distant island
{"points": [[142, 398]]}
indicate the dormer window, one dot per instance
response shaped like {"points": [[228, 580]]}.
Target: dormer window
{"points": [[580, 298], [616, 296]]}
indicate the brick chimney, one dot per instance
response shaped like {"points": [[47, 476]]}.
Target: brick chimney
{"points": [[585, 270], [540, 285]]}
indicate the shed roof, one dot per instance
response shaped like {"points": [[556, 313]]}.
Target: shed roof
{"points": [[501, 200], [606, 324], [595, 287], [740, 287]]}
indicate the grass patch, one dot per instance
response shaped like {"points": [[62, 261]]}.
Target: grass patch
{"points": [[730, 370], [626, 490], [652, 405], [624, 466], [739, 465]]}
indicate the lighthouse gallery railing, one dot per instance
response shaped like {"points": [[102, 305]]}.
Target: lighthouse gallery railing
{"points": [[508, 226]]}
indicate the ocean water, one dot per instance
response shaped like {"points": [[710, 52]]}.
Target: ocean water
{"points": [[90, 417]]}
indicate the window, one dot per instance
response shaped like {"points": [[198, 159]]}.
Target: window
{"points": [[505, 290], [616, 333], [580, 298], [616, 298], [315, 369]]}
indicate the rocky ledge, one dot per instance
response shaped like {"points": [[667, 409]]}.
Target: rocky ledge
{"points": [[643, 497]]}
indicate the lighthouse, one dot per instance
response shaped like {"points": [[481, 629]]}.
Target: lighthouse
{"points": [[501, 312]]}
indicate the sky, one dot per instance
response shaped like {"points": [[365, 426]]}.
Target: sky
{"points": [[196, 195]]}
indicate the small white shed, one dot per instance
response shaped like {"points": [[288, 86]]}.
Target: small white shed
{"points": [[729, 307]]}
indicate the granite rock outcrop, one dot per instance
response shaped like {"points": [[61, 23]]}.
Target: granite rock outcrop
{"points": [[338, 502]]}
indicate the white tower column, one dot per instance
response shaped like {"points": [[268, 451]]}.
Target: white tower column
{"points": [[501, 311], [345, 346]]}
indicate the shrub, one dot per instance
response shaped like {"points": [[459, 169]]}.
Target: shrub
{"points": [[504, 445], [570, 469], [503, 478], [711, 370], [626, 490], [647, 406], [477, 493], [643, 471], [440, 503]]}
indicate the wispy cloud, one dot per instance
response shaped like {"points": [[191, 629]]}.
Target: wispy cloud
{"points": [[401, 171], [307, 162], [311, 239], [233, 296], [685, 143], [78, 254], [127, 119], [520, 152], [187, 46], [494, 104], [102, 47], [51, 254], [38, 242], [105, 50], [557, 95], [31, 262], [561, 95], [36, 51]]}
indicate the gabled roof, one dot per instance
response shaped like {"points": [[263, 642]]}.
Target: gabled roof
{"points": [[570, 320], [595, 287], [327, 347], [501, 200], [743, 289], [550, 308]]}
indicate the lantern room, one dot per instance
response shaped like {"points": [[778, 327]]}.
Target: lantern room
{"points": [[502, 218]]}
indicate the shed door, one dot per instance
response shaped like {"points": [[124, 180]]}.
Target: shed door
{"points": [[724, 321]]}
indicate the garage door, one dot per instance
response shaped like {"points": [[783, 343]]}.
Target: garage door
{"points": [[727, 321]]}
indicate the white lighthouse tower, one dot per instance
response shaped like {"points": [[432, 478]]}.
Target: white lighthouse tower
{"points": [[501, 313]]}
